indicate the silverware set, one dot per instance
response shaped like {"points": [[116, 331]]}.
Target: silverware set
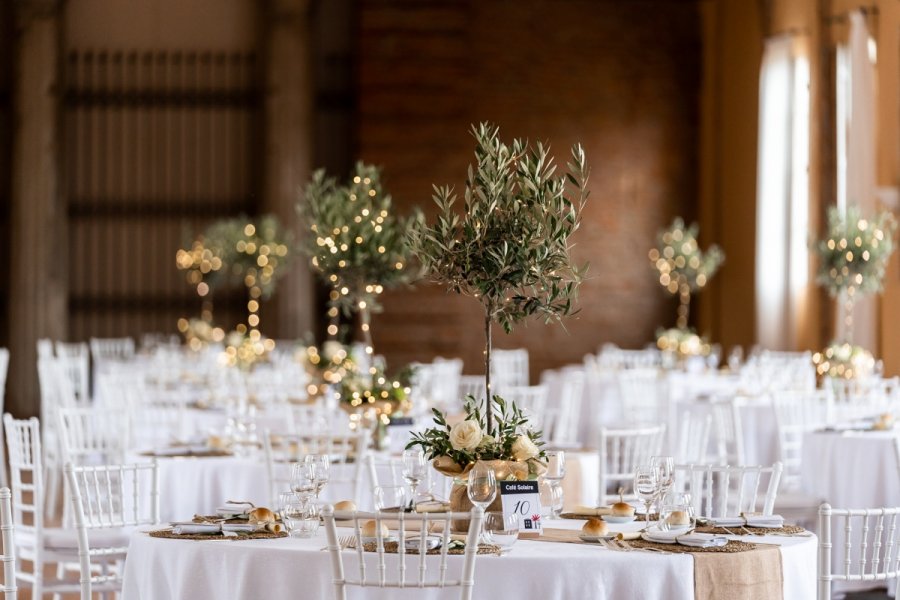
{"points": [[617, 545]]}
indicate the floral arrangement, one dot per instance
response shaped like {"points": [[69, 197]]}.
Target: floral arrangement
{"points": [[245, 350], [855, 252], [325, 366], [844, 361], [455, 449], [683, 342], [684, 268], [387, 395], [199, 333]]}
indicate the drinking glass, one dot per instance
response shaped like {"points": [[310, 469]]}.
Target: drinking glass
{"points": [[292, 507], [320, 470], [675, 508], [665, 466], [389, 497], [501, 530], [414, 470], [646, 487], [556, 465], [303, 481]]}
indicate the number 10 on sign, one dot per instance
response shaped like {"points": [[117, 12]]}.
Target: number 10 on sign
{"points": [[523, 499]]}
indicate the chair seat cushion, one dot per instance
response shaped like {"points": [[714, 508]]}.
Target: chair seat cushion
{"points": [[64, 538]]}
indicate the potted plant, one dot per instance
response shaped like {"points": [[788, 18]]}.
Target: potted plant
{"points": [[509, 249]]}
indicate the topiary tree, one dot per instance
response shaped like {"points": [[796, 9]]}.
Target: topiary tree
{"points": [[509, 249]]}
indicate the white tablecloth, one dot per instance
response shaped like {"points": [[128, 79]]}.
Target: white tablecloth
{"points": [[297, 569]]}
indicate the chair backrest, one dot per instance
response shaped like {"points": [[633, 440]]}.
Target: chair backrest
{"points": [[427, 571], [798, 413], [864, 542], [76, 361], [111, 349], [348, 452], [728, 430], [471, 385], [508, 368], [438, 383], [693, 437], [532, 399], [564, 415], [115, 496], [309, 418], [26, 476], [44, 348], [93, 435], [8, 557], [611, 356], [728, 491], [621, 452], [644, 396]]}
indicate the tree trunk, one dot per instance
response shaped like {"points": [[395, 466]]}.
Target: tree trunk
{"points": [[488, 400]]}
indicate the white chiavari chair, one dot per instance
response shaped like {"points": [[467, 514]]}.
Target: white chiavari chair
{"points": [[35, 544], [728, 430], [728, 491], [309, 418], [471, 385], [8, 588], [4, 369], [621, 452], [509, 368], [413, 569], [348, 457], [796, 414], [57, 392], [103, 349], [76, 360], [563, 415], [644, 395], [108, 502], [93, 436], [531, 399], [693, 437], [867, 546], [437, 383]]}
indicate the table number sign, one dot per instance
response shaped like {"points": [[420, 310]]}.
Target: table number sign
{"points": [[523, 499]]}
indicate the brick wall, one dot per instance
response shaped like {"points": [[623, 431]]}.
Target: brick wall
{"points": [[622, 78]]}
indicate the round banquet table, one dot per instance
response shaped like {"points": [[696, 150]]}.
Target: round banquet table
{"points": [[199, 485], [298, 569], [851, 469]]}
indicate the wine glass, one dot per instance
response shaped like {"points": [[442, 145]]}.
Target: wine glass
{"points": [[388, 497], [556, 465], [320, 470], [665, 466], [482, 488], [414, 469], [303, 481], [501, 530], [646, 487]]}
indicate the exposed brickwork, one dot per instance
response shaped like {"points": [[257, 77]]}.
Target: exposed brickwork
{"points": [[620, 77]]}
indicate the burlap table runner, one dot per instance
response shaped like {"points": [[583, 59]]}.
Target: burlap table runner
{"points": [[393, 547], [248, 535], [785, 530], [736, 571]]}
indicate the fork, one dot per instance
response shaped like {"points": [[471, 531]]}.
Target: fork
{"points": [[347, 541]]}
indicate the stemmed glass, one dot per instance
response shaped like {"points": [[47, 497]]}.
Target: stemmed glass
{"points": [[303, 481], [665, 467], [482, 488], [319, 466], [556, 471], [414, 471], [388, 497], [646, 487]]}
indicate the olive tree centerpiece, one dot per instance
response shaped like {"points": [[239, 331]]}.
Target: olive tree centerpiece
{"points": [[509, 249]]}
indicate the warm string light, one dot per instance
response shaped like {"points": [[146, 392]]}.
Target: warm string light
{"points": [[844, 361]]}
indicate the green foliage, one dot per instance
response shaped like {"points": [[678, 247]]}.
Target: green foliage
{"points": [[510, 421], [683, 267], [855, 252], [357, 244], [510, 247]]}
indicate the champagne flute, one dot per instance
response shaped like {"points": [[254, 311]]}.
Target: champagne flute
{"points": [[665, 466], [413, 471], [646, 487]]}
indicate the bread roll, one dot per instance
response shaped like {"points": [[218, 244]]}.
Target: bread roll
{"points": [[595, 527], [370, 528], [345, 505], [678, 518], [622, 509], [261, 515]]}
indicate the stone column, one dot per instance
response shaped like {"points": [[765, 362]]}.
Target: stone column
{"points": [[288, 108], [37, 306]]}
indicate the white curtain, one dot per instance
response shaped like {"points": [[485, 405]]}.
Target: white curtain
{"points": [[855, 111], [782, 196]]}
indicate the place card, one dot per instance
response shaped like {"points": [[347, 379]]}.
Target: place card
{"points": [[523, 499]]}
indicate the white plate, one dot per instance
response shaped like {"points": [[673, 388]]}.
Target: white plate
{"points": [[658, 540], [595, 539], [619, 519]]}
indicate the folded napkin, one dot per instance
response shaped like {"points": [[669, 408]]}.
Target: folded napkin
{"points": [[589, 511], [192, 528], [749, 520], [696, 540]]}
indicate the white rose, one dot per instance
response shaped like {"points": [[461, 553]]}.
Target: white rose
{"points": [[465, 435], [523, 448]]}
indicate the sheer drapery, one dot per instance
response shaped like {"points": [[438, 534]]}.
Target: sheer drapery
{"points": [[782, 214]]}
